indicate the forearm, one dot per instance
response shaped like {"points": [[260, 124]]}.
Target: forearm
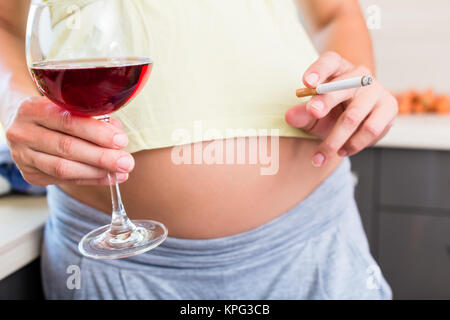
{"points": [[337, 25], [347, 34], [15, 81]]}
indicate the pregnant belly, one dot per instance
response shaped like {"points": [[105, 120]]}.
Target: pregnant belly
{"points": [[202, 200]]}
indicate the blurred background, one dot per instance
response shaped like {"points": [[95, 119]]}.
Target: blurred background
{"points": [[402, 183], [411, 47]]}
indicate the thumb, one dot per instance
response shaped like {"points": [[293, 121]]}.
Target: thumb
{"points": [[298, 117]]}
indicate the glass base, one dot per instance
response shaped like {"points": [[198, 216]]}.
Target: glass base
{"points": [[102, 244]]}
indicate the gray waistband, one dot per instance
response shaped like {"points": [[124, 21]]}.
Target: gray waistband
{"points": [[71, 219]]}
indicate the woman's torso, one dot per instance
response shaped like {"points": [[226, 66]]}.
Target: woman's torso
{"points": [[208, 201], [222, 69]]}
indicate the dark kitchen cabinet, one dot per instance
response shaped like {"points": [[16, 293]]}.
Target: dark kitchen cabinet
{"points": [[404, 200], [364, 171], [415, 178], [24, 284], [414, 254]]}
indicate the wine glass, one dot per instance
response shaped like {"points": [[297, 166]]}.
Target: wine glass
{"points": [[84, 56]]}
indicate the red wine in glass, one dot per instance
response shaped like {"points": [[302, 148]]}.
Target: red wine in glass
{"points": [[92, 87], [97, 88], [94, 83]]}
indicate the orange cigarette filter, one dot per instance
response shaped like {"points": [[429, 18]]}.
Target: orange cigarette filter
{"points": [[306, 92]]}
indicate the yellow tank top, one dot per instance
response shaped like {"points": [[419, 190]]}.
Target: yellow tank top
{"points": [[226, 68]]}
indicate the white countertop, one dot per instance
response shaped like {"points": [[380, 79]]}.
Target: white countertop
{"points": [[22, 220], [426, 131]]}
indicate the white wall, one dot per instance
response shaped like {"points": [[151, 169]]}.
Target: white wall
{"points": [[412, 47]]}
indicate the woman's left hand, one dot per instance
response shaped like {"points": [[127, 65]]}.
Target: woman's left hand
{"points": [[347, 121]]}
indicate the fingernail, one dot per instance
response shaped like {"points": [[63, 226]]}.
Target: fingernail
{"points": [[317, 105], [121, 176], [120, 140], [343, 153], [124, 163], [318, 160], [312, 78]]}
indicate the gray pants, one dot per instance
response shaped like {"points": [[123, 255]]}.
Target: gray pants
{"points": [[317, 250]]}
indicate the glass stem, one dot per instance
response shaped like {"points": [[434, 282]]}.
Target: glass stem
{"points": [[120, 223]]}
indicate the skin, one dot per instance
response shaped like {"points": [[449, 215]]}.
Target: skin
{"points": [[50, 146]]}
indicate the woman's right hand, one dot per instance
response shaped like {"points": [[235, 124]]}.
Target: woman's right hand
{"points": [[51, 146]]}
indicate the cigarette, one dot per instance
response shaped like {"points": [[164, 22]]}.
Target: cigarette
{"points": [[335, 86]]}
